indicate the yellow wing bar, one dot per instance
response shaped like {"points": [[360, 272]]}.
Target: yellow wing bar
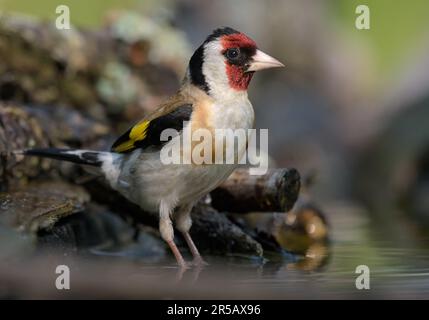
{"points": [[136, 133]]}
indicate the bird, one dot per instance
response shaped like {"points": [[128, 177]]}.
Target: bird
{"points": [[212, 95]]}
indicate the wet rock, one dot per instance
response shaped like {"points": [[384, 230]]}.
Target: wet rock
{"points": [[84, 230], [300, 228], [40, 205], [215, 233], [302, 233]]}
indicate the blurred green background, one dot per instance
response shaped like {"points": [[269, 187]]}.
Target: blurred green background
{"points": [[396, 27]]}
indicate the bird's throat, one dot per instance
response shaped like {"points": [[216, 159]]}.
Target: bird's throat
{"points": [[237, 78]]}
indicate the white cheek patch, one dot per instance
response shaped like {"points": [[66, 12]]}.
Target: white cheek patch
{"points": [[214, 69]]}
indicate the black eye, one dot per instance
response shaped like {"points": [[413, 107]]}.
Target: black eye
{"points": [[232, 53]]}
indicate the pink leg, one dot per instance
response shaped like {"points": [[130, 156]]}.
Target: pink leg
{"points": [[183, 223], [167, 232], [179, 258], [198, 260]]}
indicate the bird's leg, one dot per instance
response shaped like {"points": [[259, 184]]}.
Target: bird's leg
{"points": [[183, 224], [198, 259], [167, 232], [180, 261]]}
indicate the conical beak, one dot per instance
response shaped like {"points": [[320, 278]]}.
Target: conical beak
{"points": [[261, 61]]}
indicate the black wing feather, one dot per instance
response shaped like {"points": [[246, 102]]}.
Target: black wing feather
{"points": [[172, 120]]}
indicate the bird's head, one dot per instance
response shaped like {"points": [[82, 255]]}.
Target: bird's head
{"points": [[225, 63]]}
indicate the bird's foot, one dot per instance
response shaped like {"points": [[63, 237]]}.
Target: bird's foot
{"points": [[199, 262], [185, 265]]}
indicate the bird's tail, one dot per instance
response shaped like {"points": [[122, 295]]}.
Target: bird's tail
{"points": [[88, 157]]}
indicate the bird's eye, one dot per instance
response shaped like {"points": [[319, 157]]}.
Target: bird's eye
{"points": [[232, 53]]}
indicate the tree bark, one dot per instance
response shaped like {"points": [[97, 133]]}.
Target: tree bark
{"points": [[276, 191]]}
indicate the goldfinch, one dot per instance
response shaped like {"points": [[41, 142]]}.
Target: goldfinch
{"points": [[213, 95]]}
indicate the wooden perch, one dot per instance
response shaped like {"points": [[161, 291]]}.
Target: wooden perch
{"points": [[276, 191]]}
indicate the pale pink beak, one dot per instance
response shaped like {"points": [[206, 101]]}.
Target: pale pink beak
{"points": [[262, 61]]}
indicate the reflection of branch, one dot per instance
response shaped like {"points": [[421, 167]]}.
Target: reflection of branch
{"points": [[276, 191]]}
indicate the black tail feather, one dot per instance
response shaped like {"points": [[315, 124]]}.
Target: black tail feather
{"points": [[72, 155]]}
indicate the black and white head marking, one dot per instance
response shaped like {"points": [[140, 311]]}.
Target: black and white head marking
{"points": [[206, 69]]}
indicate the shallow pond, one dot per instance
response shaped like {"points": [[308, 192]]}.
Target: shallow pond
{"points": [[398, 269]]}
